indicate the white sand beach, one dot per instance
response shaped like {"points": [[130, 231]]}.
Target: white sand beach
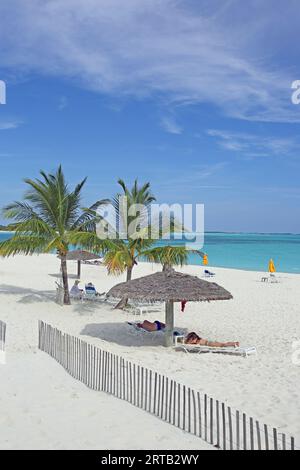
{"points": [[43, 407]]}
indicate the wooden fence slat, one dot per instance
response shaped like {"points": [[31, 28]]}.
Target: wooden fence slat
{"points": [[258, 436], [251, 434], [142, 387], [224, 426], [283, 442], [178, 409], [199, 413], [124, 379], [194, 409], [162, 397], [292, 443], [158, 395], [266, 437], [138, 386], [244, 431], [183, 408], [189, 410], [155, 393], [174, 402], [131, 383], [218, 423], [166, 401], [211, 419], [205, 417], [275, 437], [170, 401], [150, 392], [146, 389]]}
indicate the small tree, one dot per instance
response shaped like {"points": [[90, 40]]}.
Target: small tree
{"points": [[48, 220]]}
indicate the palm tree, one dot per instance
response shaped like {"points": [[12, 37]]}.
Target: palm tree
{"points": [[48, 219], [122, 255]]}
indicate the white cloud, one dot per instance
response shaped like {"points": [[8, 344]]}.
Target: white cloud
{"points": [[170, 125], [195, 175], [63, 103], [191, 52], [9, 124], [252, 145]]}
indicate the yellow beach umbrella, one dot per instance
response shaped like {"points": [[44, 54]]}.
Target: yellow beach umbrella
{"points": [[272, 268], [205, 260]]}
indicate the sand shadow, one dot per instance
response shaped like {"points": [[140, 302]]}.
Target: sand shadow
{"points": [[28, 295], [89, 306], [123, 334], [58, 276]]}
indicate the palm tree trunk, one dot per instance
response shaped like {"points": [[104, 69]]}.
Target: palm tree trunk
{"points": [[123, 302], [167, 267], [64, 272], [129, 273]]}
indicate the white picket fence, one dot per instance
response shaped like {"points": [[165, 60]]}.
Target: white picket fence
{"points": [[209, 419]]}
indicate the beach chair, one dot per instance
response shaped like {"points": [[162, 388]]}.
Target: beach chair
{"points": [[196, 348], [140, 308], [273, 278], [91, 294], [208, 273]]}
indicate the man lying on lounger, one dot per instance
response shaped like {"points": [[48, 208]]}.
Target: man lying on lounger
{"points": [[191, 338]]}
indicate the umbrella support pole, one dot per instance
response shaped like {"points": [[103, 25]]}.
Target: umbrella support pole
{"points": [[169, 324], [79, 269]]}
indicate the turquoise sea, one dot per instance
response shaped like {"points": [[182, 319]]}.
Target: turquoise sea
{"points": [[250, 251]]}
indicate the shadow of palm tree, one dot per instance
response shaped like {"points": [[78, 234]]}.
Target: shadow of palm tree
{"points": [[58, 275], [88, 306], [29, 295]]}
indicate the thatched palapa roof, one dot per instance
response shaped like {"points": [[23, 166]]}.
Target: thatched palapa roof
{"points": [[81, 255], [170, 286]]}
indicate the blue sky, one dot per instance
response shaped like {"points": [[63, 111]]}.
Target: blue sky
{"points": [[194, 96]]}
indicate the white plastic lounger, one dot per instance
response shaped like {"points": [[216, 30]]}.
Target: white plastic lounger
{"points": [[195, 348], [140, 309]]}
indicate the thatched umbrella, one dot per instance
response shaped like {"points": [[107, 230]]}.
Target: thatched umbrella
{"points": [[170, 286], [79, 256]]}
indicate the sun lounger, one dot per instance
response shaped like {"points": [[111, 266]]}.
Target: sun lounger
{"points": [[273, 279], [94, 263], [91, 294], [195, 348], [144, 308], [208, 273]]}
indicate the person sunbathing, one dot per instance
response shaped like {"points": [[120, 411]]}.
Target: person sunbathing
{"points": [[193, 338], [151, 326]]}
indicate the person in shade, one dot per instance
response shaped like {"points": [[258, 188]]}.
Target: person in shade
{"points": [[151, 326], [76, 292]]}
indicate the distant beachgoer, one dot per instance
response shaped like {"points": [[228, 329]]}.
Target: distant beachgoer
{"points": [[91, 289], [76, 292]]}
